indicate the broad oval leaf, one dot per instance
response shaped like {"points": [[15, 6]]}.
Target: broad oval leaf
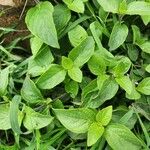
{"points": [[30, 92], [119, 136], [76, 120], [95, 131], [118, 36], [35, 120], [39, 20], [82, 53], [52, 77], [144, 86]]}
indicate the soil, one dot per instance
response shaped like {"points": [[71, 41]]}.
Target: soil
{"points": [[11, 18]]}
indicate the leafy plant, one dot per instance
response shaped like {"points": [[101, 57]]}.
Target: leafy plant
{"points": [[84, 82]]}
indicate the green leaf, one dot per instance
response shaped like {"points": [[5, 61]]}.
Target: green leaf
{"points": [[75, 74], [138, 8], [144, 86], [4, 81], [15, 115], [36, 43], [77, 35], [52, 77], [118, 36], [95, 131], [4, 117], [30, 93], [66, 63], [76, 120], [134, 94], [72, 87], [133, 52], [119, 136], [110, 5], [75, 5], [136, 34], [122, 66], [101, 80], [148, 68], [104, 116], [91, 87], [41, 62], [61, 15], [146, 19], [43, 28], [145, 47], [34, 120], [82, 53], [96, 98], [97, 64], [125, 83], [123, 7]]}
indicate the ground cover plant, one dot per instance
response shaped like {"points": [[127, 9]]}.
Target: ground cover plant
{"points": [[82, 82]]}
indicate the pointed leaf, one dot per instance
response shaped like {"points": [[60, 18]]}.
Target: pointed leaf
{"points": [[41, 17]]}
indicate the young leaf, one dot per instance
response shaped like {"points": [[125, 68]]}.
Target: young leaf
{"points": [[82, 53], [52, 77], [75, 5], [104, 116], [61, 15], [125, 83], [118, 36], [138, 8], [119, 136], [72, 87], [76, 120], [144, 86], [41, 62], [43, 28], [77, 35], [66, 63], [30, 92], [75, 74], [34, 120], [95, 131], [4, 81]]}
